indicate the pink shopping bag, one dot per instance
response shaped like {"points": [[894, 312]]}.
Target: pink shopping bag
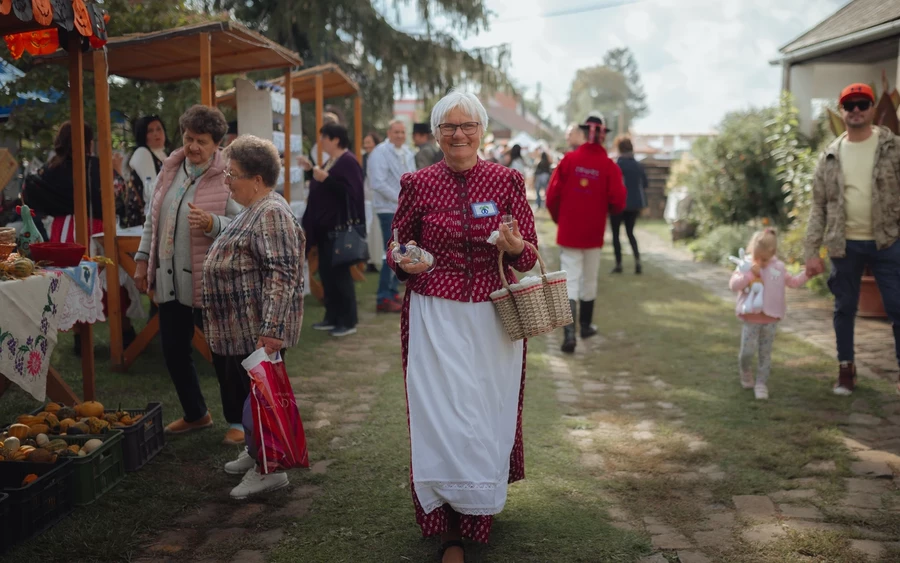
{"points": [[277, 428]]}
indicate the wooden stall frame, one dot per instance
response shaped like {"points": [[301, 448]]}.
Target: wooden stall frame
{"points": [[122, 248]]}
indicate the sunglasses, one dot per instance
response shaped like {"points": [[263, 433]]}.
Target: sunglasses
{"points": [[863, 105]]}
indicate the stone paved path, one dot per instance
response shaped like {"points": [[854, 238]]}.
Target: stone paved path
{"points": [[252, 527], [629, 427], [809, 315]]}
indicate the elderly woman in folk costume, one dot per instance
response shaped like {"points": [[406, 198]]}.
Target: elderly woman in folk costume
{"points": [[464, 377]]}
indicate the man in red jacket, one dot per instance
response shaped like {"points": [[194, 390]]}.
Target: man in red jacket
{"points": [[586, 186]]}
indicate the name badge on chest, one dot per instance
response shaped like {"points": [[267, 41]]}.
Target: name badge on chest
{"points": [[484, 209]]}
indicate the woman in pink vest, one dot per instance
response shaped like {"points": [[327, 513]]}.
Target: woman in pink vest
{"points": [[190, 206]]}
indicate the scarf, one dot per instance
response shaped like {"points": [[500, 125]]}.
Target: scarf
{"points": [[193, 171]]}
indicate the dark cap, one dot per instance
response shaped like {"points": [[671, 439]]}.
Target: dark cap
{"points": [[422, 128], [595, 117]]}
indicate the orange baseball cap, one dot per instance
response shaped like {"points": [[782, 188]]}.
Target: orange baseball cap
{"points": [[857, 89]]}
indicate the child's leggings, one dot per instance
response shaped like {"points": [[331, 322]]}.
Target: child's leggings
{"points": [[757, 337]]}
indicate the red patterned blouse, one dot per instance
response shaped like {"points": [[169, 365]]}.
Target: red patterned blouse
{"points": [[451, 215]]}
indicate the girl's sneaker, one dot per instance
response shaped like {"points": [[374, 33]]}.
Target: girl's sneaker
{"points": [[761, 391], [747, 380]]}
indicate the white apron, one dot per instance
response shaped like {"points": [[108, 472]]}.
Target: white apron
{"points": [[462, 384]]}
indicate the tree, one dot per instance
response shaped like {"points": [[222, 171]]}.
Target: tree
{"points": [[382, 59], [595, 88], [622, 60]]}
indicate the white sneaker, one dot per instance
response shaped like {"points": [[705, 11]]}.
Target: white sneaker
{"points": [[747, 380], [761, 391], [241, 464], [254, 483]]}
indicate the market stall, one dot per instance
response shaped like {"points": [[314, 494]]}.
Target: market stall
{"points": [[224, 47], [315, 85], [29, 334]]}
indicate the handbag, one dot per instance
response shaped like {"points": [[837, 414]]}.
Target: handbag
{"points": [[349, 241]]}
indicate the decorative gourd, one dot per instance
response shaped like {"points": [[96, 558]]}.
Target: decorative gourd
{"points": [[79, 428], [65, 424], [53, 408], [12, 444], [74, 449], [40, 455], [19, 431], [110, 418], [91, 445], [96, 426], [56, 446], [22, 267], [29, 419], [33, 431], [89, 408], [41, 440], [66, 412], [52, 421], [29, 479]]}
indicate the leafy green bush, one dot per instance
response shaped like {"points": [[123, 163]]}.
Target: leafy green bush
{"points": [[722, 242], [733, 179]]}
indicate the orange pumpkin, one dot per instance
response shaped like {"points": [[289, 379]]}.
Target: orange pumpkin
{"points": [[89, 408], [43, 11], [19, 431], [5, 7], [52, 408], [29, 479]]}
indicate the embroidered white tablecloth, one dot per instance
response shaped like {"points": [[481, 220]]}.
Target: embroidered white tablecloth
{"points": [[84, 302], [28, 328]]}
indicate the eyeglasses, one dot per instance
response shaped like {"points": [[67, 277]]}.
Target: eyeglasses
{"points": [[230, 176], [863, 105], [468, 128]]}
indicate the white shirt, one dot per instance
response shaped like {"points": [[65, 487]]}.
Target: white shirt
{"points": [[386, 165], [141, 161]]}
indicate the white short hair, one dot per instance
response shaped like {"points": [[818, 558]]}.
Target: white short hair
{"points": [[465, 101]]}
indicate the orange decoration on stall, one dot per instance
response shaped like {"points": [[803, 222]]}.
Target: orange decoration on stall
{"points": [[16, 45], [5, 7], [82, 18], [41, 42], [43, 11]]}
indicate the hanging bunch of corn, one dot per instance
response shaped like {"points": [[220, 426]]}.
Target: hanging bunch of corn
{"points": [[886, 107]]}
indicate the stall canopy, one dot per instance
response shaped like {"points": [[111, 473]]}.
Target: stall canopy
{"points": [[317, 84], [173, 54]]}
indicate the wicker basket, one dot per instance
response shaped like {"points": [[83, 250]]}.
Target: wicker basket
{"points": [[534, 307]]}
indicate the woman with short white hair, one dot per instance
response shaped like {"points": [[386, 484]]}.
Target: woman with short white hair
{"points": [[464, 378]]}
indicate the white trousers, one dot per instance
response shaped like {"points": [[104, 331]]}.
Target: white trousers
{"points": [[581, 266]]}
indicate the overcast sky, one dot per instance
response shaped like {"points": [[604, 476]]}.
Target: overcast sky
{"points": [[698, 58]]}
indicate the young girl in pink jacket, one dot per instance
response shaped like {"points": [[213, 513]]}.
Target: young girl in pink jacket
{"points": [[760, 323]]}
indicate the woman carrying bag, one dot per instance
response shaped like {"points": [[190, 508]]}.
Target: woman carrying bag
{"points": [[336, 200]]}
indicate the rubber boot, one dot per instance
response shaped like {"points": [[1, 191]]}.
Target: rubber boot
{"points": [[587, 315], [568, 345]]}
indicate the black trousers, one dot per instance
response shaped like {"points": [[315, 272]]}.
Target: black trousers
{"points": [[234, 384], [629, 218], [340, 292], [176, 331]]}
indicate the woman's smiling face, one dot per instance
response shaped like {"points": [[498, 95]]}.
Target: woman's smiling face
{"points": [[460, 146]]}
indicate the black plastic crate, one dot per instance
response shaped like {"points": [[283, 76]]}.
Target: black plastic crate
{"points": [[100, 470], [4, 517], [35, 507], [143, 439]]}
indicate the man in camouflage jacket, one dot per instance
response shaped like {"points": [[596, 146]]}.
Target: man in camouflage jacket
{"points": [[856, 215]]}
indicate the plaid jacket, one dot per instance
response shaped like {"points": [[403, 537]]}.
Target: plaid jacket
{"points": [[253, 279]]}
